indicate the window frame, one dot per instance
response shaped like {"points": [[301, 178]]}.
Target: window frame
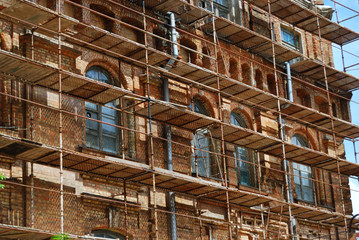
{"points": [[208, 156], [220, 9], [297, 37], [302, 173], [249, 155], [98, 134]]}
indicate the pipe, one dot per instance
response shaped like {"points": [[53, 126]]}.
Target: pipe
{"points": [[167, 128], [174, 35], [289, 82]]}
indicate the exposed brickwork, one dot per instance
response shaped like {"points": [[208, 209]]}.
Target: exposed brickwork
{"points": [[95, 203]]}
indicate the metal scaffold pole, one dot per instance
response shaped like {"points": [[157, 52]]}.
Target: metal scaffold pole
{"points": [[220, 110], [282, 132], [59, 13], [332, 125], [154, 234]]}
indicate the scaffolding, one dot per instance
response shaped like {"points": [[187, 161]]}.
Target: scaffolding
{"points": [[247, 209]]}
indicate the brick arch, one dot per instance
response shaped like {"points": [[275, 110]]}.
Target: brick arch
{"points": [[313, 144], [118, 76], [246, 116], [208, 105]]}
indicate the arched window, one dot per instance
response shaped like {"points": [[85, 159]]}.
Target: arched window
{"points": [[101, 136], [302, 174], [201, 161], [105, 233], [244, 158]]}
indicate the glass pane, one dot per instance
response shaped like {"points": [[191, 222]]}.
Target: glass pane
{"points": [[296, 176], [244, 173], [203, 158], [109, 143], [93, 125], [103, 77], [92, 140], [308, 194], [305, 168], [108, 128], [298, 190], [91, 106], [92, 74], [295, 165], [238, 120]]}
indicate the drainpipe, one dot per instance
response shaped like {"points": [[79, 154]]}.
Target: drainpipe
{"points": [[289, 82], [173, 37], [167, 128]]}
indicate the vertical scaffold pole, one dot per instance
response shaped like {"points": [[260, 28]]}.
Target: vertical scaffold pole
{"points": [[292, 221], [220, 109], [151, 153], [332, 123]]}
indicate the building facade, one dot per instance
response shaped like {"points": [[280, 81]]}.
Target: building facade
{"points": [[174, 119]]}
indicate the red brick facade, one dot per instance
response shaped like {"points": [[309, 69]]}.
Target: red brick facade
{"points": [[31, 112]]}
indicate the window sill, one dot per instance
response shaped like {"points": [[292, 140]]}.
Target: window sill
{"points": [[291, 47], [84, 148], [253, 190], [312, 204]]}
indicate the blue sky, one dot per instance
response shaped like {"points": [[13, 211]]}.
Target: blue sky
{"points": [[352, 48]]}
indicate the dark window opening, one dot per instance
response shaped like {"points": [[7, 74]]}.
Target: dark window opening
{"points": [[244, 157], [302, 174], [291, 39], [99, 135]]}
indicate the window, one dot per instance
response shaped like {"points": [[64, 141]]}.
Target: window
{"points": [[221, 7], [104, 233], [291, 38], [302, 174], [203, 146], [101, 136], [244, 158]]}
